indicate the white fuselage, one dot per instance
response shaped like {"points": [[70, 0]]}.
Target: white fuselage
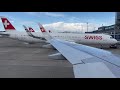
{"points": [[95, 39], [22, 36]]}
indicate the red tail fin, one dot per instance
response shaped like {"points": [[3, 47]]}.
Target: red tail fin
{"points": [[41, 28], [31, 30], [45, 34], [7, 25]]}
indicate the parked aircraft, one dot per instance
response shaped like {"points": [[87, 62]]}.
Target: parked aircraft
{"points": [[11, 32], [97, 40], [87, 39]]}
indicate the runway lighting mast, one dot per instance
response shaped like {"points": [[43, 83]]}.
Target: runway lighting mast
{"points": [[87, 26], [82, 28]]}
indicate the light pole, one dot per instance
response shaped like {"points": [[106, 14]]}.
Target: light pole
{"points": [[87, 26], [82, 28]]}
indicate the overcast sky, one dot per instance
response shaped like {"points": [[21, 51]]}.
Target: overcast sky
{"points": [[60, 21]]}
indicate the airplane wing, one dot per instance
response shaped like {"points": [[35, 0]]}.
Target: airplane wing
{"points": [[88, 62]]}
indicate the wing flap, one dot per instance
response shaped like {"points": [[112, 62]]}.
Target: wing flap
{"points": [[92, 70]]}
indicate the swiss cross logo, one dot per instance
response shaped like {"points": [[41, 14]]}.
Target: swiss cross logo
{"points": [[42, 29], [6, 23], [31, 30]]}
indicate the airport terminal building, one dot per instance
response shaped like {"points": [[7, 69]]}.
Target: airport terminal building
{"points": [[105, 29], [113, 30]]}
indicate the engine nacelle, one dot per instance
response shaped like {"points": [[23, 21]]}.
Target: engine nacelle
{"points": [[29, 43], [48, 46], [57, 56], [46, 42]]}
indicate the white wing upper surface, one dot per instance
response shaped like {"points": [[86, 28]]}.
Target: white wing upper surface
{"points": [[88, 62]]}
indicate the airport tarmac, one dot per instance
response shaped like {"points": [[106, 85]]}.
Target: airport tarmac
{"points": [[19, 60]]}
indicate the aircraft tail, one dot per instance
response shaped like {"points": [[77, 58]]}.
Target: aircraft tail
{"points": [[31, 29], [42, 28], [31, 35], [28, 32], [45, 34], [7, 25]]}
